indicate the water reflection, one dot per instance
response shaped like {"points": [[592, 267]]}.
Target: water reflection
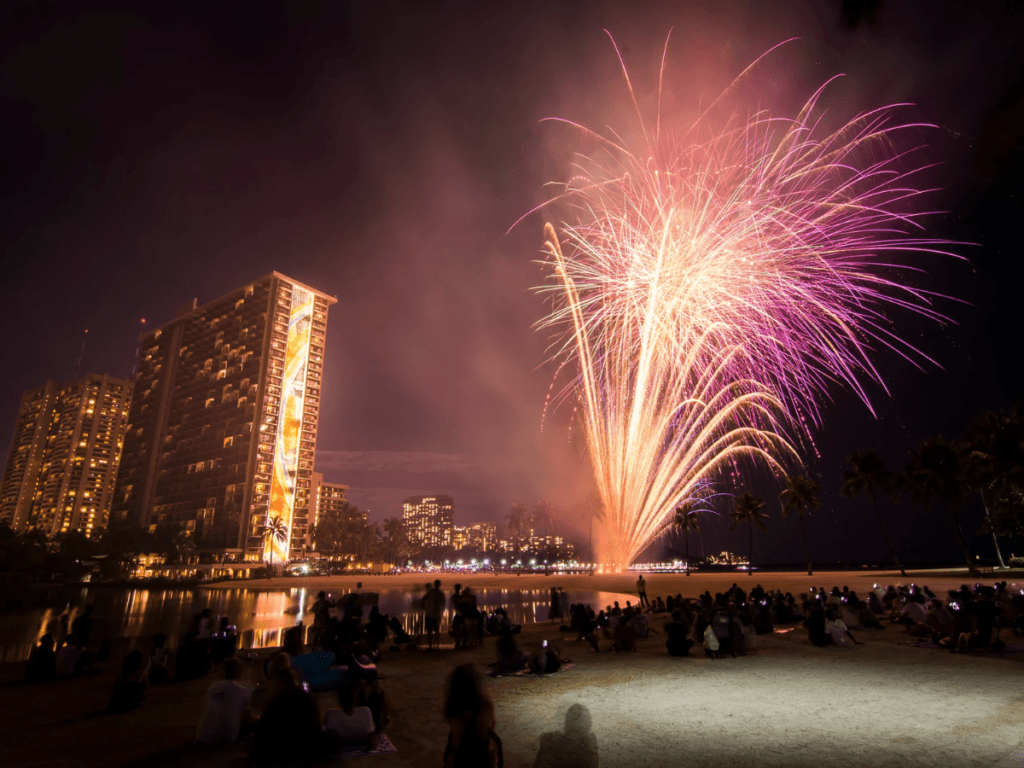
{"points": [[260, 616]]}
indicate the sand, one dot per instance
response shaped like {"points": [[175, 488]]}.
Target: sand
{"points": [[790, 704]]}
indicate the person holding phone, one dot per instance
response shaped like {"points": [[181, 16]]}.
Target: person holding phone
{"points": [[547, 660]]}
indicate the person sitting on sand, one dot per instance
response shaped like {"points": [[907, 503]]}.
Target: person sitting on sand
{"points": [[42, 664], [984, 612], [837, 630], [511, 658], [601, 640], [677, 631], [737, 636], [914, 616], [130, 686], [352, 724], [640, 624], [290, 730], [866, 617], [372, 695], [711, 644], [940, 621], [158, 658], [226, 714], [193, 658], [796, 614], [875, 603], [624, 636], [67, 657], [399, 635], [815, 623], [547, 660], [281, 677], [472, 742]]}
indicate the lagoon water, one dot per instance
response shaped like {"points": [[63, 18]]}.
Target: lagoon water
{"points": [[127, 615]]}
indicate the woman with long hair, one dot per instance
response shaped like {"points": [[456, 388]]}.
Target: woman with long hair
{"points": [[472, 742]]}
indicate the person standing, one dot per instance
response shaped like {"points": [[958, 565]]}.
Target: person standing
{"points": [[433, 608], [641, 590], [321, 610]]}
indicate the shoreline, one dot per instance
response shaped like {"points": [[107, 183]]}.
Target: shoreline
{"points": [[940, 580]]}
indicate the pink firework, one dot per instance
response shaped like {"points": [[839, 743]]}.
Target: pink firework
{"points": [[709, 291]]}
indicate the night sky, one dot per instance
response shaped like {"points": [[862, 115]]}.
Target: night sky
{"points": [[380, 152]]}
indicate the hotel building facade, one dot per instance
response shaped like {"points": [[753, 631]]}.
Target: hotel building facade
{"points": [[64, 456], [429, 520], [222, 431]]}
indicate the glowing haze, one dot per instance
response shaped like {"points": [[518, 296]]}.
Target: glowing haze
{"points": [[709, 285]]}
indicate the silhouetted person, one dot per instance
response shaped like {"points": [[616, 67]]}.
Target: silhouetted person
{"points": [[641, 591], [130, 686], [472, 742], [82, 626], [290, 730], [42, 664], [576, 747], [226, 713], [158, 657], [678, 641], [815, 623]]}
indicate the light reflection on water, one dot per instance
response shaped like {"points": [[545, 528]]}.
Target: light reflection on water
{"points": [[260, 616]]}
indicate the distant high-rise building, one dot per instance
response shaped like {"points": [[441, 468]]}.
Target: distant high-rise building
{"points": [[18, 487], [60, 474], [331, 500], [460, 537], [429, 520], [222, 430], [328, 498], [483, 536]]}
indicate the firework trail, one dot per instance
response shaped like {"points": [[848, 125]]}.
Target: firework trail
{"points": [[708, 289]]}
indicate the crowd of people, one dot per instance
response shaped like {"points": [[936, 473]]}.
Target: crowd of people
{"points": [[348, 636]]}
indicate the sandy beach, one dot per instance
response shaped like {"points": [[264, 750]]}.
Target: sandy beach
{"points": [[788, 704]]}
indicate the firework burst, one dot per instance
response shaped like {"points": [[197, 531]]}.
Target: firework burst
{"points": [[710, 287]]}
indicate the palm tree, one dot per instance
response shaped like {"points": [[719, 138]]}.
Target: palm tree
{"points": [[517, 519], [350, 536], [542, 516], [274, 529], [798, 497], [992, 457], [868, 473], [394, 527], [934, 473], [368, 541], [685, 520], [747, 509]]}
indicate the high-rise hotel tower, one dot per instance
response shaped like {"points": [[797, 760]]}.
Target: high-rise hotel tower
{"points": [[222, 429], [63, 459]]}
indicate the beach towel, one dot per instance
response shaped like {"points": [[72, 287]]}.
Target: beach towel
{"points": [[384, 746], [527, 673]]}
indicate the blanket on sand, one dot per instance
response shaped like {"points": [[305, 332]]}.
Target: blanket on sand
{"points": [[528, 673]]}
